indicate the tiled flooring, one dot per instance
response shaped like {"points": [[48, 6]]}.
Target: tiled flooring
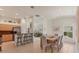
{"points": [[9, 47]]}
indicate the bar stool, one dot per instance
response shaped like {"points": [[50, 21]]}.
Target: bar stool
{"points": [[23, 38], [19, 39], [26, 38]]}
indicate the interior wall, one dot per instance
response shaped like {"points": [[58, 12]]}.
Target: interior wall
{"points": [[47, 27], [61, 22], [66, 21], [24, 28], [59, 15], [38, 24], [77, 24]]}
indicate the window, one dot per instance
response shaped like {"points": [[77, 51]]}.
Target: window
{"points": [[68, 31]]}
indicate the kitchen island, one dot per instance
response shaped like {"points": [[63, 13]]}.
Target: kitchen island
{"points": [[6, 31]]}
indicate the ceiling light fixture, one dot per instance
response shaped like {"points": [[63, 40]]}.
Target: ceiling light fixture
{"points": [[32, 7], [17, 14], [37, 15]]}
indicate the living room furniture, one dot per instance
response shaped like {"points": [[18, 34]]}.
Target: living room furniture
{"points": [[43, 43], [22, 38], [51, 40]]}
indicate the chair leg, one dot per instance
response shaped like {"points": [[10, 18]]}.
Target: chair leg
{"points": [[52, 49], [45, 49], [17, 44], [58, 49], [41, 47]]}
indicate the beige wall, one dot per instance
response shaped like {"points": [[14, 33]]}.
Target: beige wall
{"points": [[65, 13], [78, 24]]}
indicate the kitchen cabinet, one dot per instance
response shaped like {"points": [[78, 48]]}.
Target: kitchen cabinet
{"points": [[7, 27]]}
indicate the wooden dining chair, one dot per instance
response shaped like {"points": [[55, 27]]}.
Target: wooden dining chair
{"points": [[58, 45], [43, 43], [61, 43]]}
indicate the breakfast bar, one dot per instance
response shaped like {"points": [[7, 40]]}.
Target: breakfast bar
{"points": [[5, 33]]}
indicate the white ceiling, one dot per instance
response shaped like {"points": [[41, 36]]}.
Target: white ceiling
{"points": [[46, 11]]}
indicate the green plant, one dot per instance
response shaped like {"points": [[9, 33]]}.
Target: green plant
{"points": [[69, 34], [37, 34]]}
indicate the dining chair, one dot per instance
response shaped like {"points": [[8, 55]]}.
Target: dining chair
{"points": [[61, 43], [43, 43], [58, 45]]}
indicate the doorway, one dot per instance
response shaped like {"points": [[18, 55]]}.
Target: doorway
{"points": [[69, 30]]}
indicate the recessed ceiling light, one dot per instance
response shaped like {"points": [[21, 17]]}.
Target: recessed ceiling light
{"points": [[1, 9], [17, 14]]}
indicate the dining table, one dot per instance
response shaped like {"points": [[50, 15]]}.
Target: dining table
{"points": [[52, 39]]}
